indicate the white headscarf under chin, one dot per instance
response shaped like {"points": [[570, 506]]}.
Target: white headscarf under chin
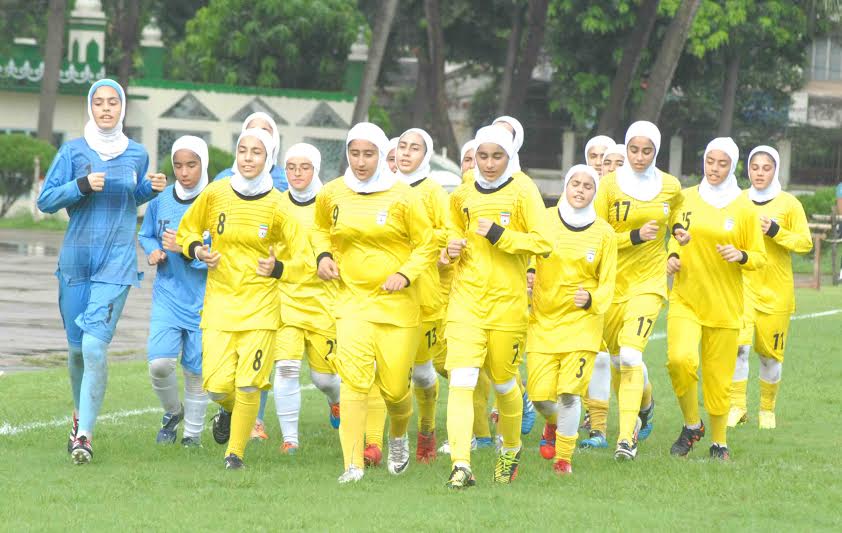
{"points": [[262, 183], [312, 154], [518, 137], [108, 144], [774, 188], [646, 185], [721, 195], [502, 138], [578, 218], [199, 147], [423, 169], [599, 140], [383, 179], [276, 136]]}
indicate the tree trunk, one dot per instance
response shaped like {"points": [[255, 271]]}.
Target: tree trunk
{"points": [[442, 128], [536, 23], [129, 36], [421, 99], [382, 27], [668, 55], [53, 52], [512, 51], [612, 116], [729, 94]]}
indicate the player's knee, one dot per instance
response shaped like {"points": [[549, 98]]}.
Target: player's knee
{"points": [[324, 381], [603, 359], [569, 401], [288, 369], [770, 369], [505, 387], [630, 357], [424, 375], [218, 396], [743, 352], [545, 407], [162, 368], [464, 378], [193, 383], [680, 363], [93, 350]]}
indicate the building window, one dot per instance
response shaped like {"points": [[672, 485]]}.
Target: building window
{"points": [[253, 107], [826, 60], [166, 138], [323, 116], [189, 107], [333, 154], [134, 133]]}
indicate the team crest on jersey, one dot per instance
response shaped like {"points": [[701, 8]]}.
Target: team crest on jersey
{"points": [[666, 208], [590, 255], [729, 224], [261, 232], [505, 218], [382, 216]]}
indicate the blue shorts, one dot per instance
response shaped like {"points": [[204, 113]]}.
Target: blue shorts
{"points": [[168, 341], [91, 307]]}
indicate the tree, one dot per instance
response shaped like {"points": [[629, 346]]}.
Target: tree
{"points": [[442, 127], [375, 59], [52, 65], [536, 19], [512, 52], [17, 166]]}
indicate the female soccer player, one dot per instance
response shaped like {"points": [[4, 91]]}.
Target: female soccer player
{"points": [[769, 295], [373, 235], [177, 297], [392, 155], [595, 150], [265, 122], [637, 200], [497, 223], [307, 319], [706, 300], [245, 221], [613, 158], [573, 289], [100, 179]]}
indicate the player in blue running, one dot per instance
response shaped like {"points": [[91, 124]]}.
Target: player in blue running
{"points": [[100, 179], [177, 297]]}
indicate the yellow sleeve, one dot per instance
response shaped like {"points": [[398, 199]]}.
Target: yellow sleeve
{"points": [[293, 240], [602, 297], [534, 241], [797, 238], [439, 215], [192, 226], [425, 250], [602, 209], [675, 221], [456, 227], [320, 236], [752, 241]]}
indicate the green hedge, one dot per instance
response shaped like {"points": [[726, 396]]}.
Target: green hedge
{"points": [[17, 165], [219, 161], [821, 202]]}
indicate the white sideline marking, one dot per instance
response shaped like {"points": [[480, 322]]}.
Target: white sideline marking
{"points": [[8, 430], [661, 335]]}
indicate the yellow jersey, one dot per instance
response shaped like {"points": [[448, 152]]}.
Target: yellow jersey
{"points": [[371, 237], [581, 257], [242, 229], [707, 285], [771, 288], [640, 265], [436, 204], [489, 284]]}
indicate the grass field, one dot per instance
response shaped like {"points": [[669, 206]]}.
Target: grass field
{"points": [[782, 479]]}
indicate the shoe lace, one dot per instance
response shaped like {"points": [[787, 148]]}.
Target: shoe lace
{"points": [[505, 464], [397, 451], [459, 476]]}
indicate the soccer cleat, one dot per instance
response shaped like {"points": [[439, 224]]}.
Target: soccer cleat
{"points": [[169, 425], [352, 475], [221, 426], [766, 419], [627, 451], [398, 457], [478, 443], [334, 415], [232, 462], [372, 456], [461, 477], [72, 435], [646, 421], [289, 448], [737, 416], [688, 437], [505, 471], [548, 442], [719, 452], [586, 422], [81, 451], [191, 442], [563, 467], [425, 450], [596, 439], [259, 431], [529, 416]]}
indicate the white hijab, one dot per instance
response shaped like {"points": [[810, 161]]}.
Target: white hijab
{"points": [[578, 218], [646, 185], [467, 147], [518, 137], [276, 136], [599, 140], [312, 154], [617, 149], [423, 169], [502, 138], [108, 144], [774, 188], [199, 147], [721, 195], [383, 179], [262, 183]]}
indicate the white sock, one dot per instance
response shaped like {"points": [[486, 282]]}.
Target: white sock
{"points": [[569, 411], [600, 386], [165, 383], [195, 405], [327, 383], [741, 369], [287, 389], [770, 369], [546, 408]]}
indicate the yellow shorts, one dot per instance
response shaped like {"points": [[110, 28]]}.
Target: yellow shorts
{"points": [[499, 352], [746, 336], [237, 359], [768, 334], [440, 356], [292, 342], [552, 374], [431, 342], [632, 322], [370, 353]]}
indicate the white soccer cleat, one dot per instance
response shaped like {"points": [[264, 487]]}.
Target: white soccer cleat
{"points": [[737, 417], [398, 455], [766, 420], [445, 446], [352, 475]]}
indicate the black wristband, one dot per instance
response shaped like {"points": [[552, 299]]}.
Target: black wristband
{"points": [[635, 237], [278, 270], [773, 230], [744, 260], [676, 227], [494, 233], [589, 302], [673, 255], [84, 185], [530, 270], [404, 277], [322, 256], [192, 248]]}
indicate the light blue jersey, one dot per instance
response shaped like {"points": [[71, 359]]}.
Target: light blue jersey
{"points": [[279, 177]]}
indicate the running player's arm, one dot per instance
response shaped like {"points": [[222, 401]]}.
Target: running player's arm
{"points": [[320, 236], [192, 226], [603, 295], [143, 191], [148, 234], [751, 240], [602, 207], [425, 248], [61, 189], [677, 221], [300, 263], [534, 240], [440, 216], [797, 237]]}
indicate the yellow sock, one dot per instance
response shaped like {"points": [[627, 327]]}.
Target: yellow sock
{"points": [[511, 415], [564, 446], [353, 406], [244, 413], [616, 379], [427, 399], [481, 392], [460, 415], [768, 395], [598, 410], [689, 404], [375, 419], [629, 398], [646, 398], [718, 427], [738, 394], [399, 413]]}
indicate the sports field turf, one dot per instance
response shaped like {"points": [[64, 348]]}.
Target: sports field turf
{"points": [[788, 478]]}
